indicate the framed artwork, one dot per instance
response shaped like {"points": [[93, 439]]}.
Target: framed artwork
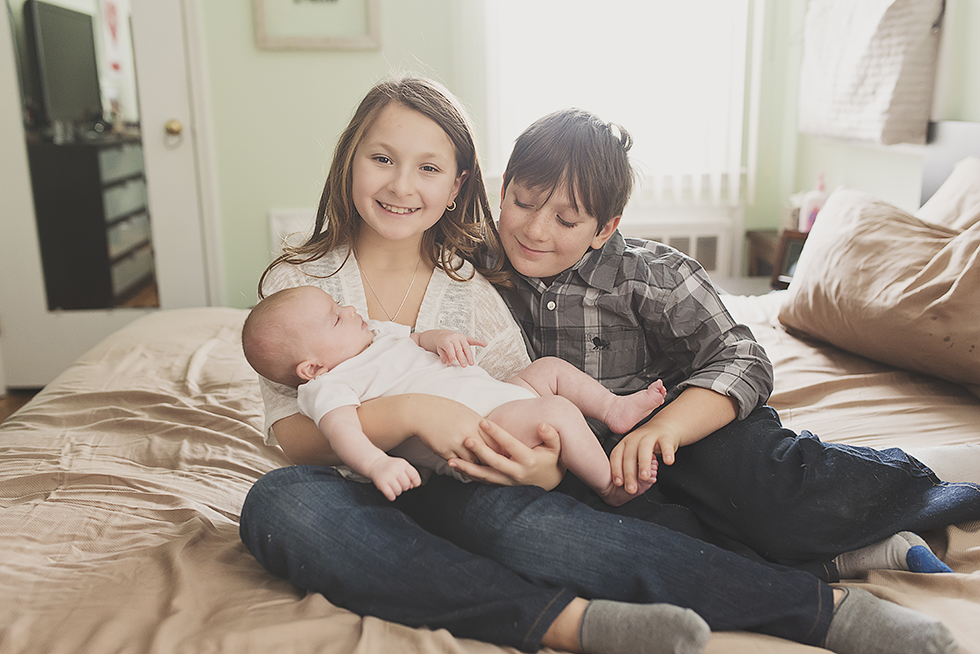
{"points": [[784, 265], [317, 24]]}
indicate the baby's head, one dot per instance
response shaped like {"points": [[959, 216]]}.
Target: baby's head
{"points": [[298, 333]]}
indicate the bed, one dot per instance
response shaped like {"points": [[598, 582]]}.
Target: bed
{"points": [[121, 482]]}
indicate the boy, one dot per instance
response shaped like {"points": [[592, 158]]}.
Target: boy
{"points": [[627, 311], [302, 338]]}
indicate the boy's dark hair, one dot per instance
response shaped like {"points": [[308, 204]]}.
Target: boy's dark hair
{"points": [[575, 147]]}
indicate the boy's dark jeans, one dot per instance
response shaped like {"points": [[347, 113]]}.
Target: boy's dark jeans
{"points": [[499, 564], [794, 499]]}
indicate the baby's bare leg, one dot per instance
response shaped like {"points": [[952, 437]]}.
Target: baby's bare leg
{"points": [[553, 376], [580, 451]]}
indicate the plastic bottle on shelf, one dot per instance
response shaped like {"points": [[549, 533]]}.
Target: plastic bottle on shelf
{"points": [[812, 203]]}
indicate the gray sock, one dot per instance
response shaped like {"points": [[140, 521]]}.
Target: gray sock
{"points": [[620, 628], [903, 551], [864, 624]]}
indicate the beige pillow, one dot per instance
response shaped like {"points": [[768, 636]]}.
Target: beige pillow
{"points": [[956, 203], [881, 283]]}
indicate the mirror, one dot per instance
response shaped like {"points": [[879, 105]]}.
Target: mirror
{"points": [[82, 126]]}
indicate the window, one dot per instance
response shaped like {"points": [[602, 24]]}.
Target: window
{"points": [[673, 73]]}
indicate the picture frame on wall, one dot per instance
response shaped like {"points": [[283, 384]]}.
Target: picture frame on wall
{"points": [[317, 24]]}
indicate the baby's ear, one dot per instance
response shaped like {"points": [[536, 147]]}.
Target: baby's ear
{"points": [[309, 369]]}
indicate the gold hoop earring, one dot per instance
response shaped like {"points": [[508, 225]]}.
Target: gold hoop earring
{"points": [[452, 207]]}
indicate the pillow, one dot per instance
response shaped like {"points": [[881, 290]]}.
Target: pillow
{"points": [[956, 203], [886, 285]]}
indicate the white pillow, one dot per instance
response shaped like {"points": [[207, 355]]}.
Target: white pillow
{"points": [[956, 203]]}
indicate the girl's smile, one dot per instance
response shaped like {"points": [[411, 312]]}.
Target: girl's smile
{"points": [[397, 210], [404, 174]]}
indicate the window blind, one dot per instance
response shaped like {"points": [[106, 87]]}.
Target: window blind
{"points": [[672, 73]]}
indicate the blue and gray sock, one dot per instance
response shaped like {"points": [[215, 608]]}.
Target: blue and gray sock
{"points": [[903, 551]]}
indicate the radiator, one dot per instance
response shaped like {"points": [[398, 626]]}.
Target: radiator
{"points": [[709, 238]]}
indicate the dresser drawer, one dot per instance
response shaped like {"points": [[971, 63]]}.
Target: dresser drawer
{"points": [[121, 162], [128, 272], [126, 234], [124, 198]]}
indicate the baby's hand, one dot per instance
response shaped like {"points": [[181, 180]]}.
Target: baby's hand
{"points": [[393, 476], [452, 347]]}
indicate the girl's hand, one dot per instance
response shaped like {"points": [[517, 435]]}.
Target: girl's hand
{"points": [[632, 460], [515, 464], [444, 425]]}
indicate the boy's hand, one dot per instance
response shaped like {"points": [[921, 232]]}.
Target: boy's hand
{"points": [[633, 457], [694, 414], [393, 475], [452, 347]]}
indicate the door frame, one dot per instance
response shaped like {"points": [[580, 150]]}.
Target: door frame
{"points": [[20, 289], [204, 148]]}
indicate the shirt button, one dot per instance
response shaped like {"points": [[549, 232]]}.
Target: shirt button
{"points": [[552, 305]]}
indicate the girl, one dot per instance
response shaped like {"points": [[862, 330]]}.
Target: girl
{"points": [[402, 216]]}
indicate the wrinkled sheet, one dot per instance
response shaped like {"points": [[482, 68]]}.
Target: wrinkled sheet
{"points": [[121, 484]]}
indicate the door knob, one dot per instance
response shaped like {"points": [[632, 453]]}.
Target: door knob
{"points": [[173, 127]]}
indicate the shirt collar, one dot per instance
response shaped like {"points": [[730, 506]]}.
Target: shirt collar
{"points": [[598, 268]]}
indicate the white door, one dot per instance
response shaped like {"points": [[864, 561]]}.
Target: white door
{"points": [[37, 344]]}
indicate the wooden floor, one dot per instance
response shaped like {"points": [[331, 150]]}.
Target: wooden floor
{"points": [[12, 401]]}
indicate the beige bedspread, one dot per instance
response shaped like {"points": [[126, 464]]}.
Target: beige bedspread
{"points": [[121, 483]]}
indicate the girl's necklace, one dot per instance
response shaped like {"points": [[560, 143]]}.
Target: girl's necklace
{"points": [[391, 318]]}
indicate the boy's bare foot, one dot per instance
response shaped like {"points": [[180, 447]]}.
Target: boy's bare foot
{"points": [[627, 410]]}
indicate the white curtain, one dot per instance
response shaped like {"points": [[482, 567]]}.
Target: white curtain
{"points": [[869, 69], [673, 73]]}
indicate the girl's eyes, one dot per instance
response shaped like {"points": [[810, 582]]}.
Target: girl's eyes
{"points": [[383, 159], [565, 223]]}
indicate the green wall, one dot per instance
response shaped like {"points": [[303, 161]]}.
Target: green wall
{"points": [[276, 114], [790, 162]]}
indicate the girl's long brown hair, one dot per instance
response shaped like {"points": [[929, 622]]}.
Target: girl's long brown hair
{"points": [[467, 232]]}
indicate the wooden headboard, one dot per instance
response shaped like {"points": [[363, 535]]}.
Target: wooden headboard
{"points": [[949, 141]]}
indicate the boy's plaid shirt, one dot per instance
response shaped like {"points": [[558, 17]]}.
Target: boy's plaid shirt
{"points": [[636, 311]]}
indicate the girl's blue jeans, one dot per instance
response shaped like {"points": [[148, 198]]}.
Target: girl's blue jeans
{"points": [[499, 564]]}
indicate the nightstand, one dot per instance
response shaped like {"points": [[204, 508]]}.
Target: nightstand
{"points": [[763, 247]]}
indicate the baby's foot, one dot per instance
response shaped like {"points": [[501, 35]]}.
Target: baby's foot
{"points": [[618, 495], [627, 410]]}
